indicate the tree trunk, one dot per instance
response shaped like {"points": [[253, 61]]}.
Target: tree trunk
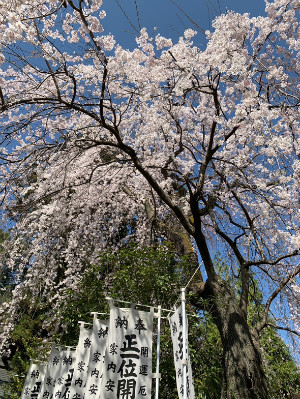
{"points": [[243, 375]]}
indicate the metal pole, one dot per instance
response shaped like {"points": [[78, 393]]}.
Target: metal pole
{"points": [[158, 354], [184, 339]]}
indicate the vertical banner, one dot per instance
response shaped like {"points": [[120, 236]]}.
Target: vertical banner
{"points": [[34, 380], [78, 385], [181, 359], [64, 370], [127, 372], [97, 346], [51, 374]]}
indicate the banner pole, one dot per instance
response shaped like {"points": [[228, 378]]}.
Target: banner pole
{"points": [[158, 353], [184, 340]]}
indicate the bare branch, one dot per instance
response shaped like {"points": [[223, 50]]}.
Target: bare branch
{"points": [[281, 286], [283, 328]]}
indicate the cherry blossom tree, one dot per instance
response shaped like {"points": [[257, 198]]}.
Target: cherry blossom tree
{"points": [[101, 145]]}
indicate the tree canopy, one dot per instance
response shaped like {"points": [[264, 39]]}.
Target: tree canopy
{"points": [[103, 145]]}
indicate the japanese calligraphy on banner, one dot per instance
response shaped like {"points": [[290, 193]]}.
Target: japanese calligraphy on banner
{"points": [[33, 382], [127, 372], [64, 369], [78, 383], [97, 345], [177, 340], [51, 373]]}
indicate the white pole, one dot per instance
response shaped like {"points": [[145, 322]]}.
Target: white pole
{"points": [[158, 354], [184, 339]]}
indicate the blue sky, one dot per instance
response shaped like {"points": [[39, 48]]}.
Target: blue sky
{"points": [[170, 17]]}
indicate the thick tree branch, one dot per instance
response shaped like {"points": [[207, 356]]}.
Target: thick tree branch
{"points": [[207, 159]]}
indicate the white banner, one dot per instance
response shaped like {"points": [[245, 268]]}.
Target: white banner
{"points": [[34, 380], [127, 372], [176, 326], [50, 376], [64, 369], [83, 349], [97, 345]]}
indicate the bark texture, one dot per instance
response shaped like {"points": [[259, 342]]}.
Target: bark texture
{"points": [[243, 375]]}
